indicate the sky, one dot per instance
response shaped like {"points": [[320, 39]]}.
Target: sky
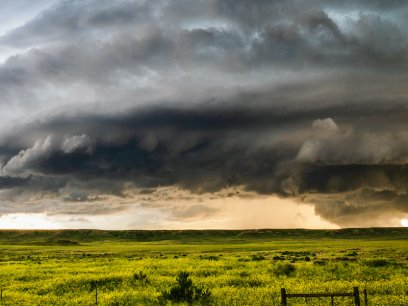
{"points": [[203, 114]]}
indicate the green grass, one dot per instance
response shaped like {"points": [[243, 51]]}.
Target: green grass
{"points": [[239, 268]]}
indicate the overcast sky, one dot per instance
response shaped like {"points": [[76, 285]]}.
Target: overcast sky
{"points": [[203, 114]]}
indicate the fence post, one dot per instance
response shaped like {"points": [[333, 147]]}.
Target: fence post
{"points": [[365, 297], [283, 296], [1, 294], [356, 296], [332, 300], [96, 295]]}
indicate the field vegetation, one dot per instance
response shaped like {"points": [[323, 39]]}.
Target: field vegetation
{"points": [[201, 267]]}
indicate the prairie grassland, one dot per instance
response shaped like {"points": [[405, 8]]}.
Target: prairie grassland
{"points": [[245, 271]]}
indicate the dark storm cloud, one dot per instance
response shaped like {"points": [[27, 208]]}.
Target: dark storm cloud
{"points": [[300, 99], [11, 182], [213, 147]]}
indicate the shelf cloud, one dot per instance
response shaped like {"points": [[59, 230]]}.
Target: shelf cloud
{"points": [[105, 103]]}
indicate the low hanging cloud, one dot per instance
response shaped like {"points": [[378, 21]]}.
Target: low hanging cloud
{"points": [[211, 150], [109, 101]]}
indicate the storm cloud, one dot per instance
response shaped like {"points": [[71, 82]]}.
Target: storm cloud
{"points": [[106, 102]]}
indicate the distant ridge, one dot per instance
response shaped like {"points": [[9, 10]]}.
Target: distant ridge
{"points": [[73, 237]]}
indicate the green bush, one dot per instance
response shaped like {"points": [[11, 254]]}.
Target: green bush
{"points": [[186, 291], [377, 263], [258, 257], [141, 277], [284, 269]]}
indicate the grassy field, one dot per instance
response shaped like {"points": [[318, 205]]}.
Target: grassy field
{"points": [[237, 267]]}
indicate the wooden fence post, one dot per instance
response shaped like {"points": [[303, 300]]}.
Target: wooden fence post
{"points": [[96, 295], [283, 296], [1, 294], [356, 296], [365, 297]]}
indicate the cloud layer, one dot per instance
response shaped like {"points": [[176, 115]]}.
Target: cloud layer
{"points": [[104, 103]]}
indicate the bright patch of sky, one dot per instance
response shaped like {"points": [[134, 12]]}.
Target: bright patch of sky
{"points": [[14, 14]]}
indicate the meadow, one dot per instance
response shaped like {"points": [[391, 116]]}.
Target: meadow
{"points": [[235, 267]]}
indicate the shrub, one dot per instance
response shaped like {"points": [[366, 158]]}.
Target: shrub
{"points": [[186, 291], [211, 257], [284, 269], [140, 277], [244, 274], [320, 262], [258, 257], [377, 263]]}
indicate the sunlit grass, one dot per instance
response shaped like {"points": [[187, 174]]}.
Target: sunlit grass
{"points": [[237, 273]]}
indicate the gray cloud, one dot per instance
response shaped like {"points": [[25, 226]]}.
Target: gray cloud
{"points": [[88, 52], [208, 149], [302, 100]]}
